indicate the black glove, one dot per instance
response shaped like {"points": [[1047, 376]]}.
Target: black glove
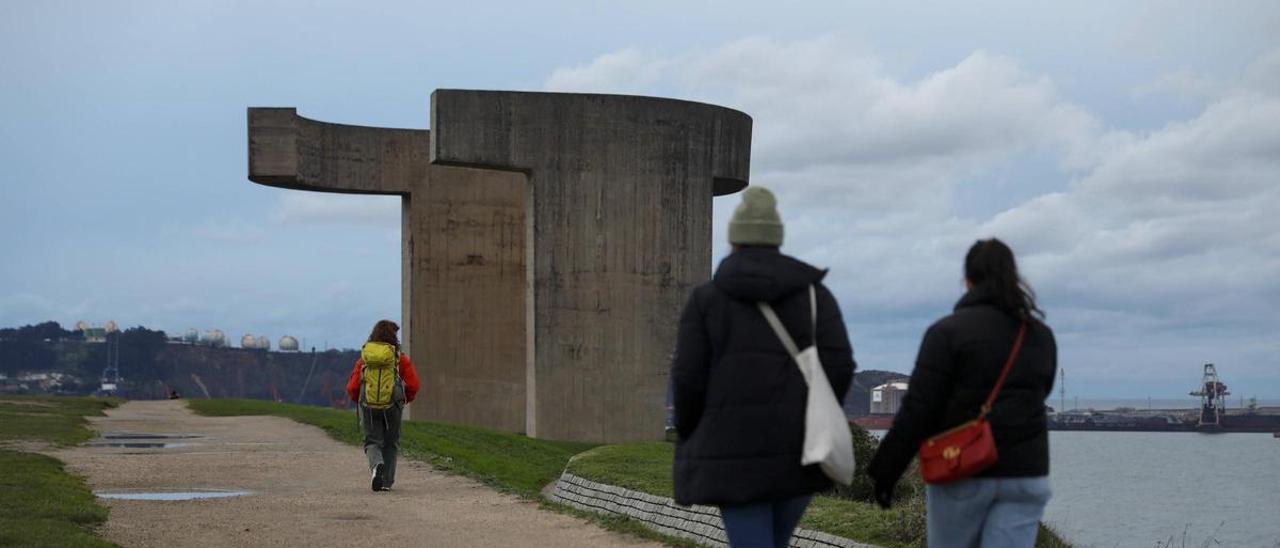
{"points": [[884, 494]]}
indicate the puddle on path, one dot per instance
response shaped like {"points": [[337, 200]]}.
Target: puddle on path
{"points": [[174, 495], [141, 440], [133, 436], [136, 445]]}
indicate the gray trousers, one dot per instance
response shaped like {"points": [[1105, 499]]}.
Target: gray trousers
{"points": [[381, 430]]}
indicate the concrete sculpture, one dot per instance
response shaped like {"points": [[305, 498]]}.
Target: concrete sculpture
{"points": [[548, 243]]}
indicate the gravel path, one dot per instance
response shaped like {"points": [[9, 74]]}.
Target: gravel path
{"points": [[308, 490]]}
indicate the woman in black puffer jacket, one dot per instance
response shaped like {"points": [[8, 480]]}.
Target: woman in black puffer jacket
{"points": [[959, 361], [739, 397]]}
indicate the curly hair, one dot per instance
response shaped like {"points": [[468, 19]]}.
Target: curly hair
{"points": [[385, 332]]}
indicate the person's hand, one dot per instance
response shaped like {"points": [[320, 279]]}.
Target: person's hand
{"points": [[884, 494]]}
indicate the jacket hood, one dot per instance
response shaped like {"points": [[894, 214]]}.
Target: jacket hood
{"points": [[764, 275]]}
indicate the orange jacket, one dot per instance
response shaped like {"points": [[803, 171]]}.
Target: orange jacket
{"points": [[407, 373]]}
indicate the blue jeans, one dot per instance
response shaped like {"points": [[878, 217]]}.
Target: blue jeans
{"points": [[763, 524], [987, 512]]}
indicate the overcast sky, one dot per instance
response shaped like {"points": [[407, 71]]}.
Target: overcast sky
{"points": [[1128, 152]]}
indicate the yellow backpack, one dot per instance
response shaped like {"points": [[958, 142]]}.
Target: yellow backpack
{"points": [[382, 385]]}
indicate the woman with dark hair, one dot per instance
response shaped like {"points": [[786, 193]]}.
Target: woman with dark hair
{"points": [[381, 383], [960, 360]]}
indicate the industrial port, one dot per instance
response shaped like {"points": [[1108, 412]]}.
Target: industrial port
{"points": [[1213, 414]]}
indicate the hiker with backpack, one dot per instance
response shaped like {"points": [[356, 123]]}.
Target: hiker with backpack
{"points": [[382, 382]]}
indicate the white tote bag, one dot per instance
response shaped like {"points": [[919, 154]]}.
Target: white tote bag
{"points": [[826, 430]]}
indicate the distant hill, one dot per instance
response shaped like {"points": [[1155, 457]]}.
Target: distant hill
{"points": [[45, 358], [201, 371], [858, 400]]}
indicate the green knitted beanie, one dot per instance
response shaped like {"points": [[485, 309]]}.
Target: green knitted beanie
{"points": [[756, 220]]}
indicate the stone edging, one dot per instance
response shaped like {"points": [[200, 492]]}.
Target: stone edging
{"points": [[700, 524]]}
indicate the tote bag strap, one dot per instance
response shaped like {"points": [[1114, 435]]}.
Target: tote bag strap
{"points": [[781, 331]]}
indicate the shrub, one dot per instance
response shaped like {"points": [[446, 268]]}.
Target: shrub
{"points": [[863, 489]]}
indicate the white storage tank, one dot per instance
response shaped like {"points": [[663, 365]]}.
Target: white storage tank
{"points": [[214, 338], [886, 399]]}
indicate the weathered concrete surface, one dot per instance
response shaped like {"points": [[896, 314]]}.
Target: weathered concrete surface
{"points": [[620, 204], [467, 309], [549, 242], [308, 490]]}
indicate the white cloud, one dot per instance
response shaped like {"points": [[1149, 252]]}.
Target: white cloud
{"points": [[626, 71], [823, 101], [1145, 246], [1184, 216]]}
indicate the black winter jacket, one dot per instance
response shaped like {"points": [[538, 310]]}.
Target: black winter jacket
{"points": [[959, 361], [739, 397]]}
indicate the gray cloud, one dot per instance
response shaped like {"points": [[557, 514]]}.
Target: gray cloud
{"points": [[1150, 249]]}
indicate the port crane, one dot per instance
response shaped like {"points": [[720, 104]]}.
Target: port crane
{"points": [[1213, 399]]}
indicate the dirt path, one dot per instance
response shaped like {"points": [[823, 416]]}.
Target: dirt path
{"points": [[308, 490]]}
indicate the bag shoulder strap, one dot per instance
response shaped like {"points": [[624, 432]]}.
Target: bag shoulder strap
{"points": [[1008, 364], [781, 330]]}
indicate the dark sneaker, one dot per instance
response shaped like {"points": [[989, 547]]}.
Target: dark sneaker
{"points": [[377, 477], [385, 488]]}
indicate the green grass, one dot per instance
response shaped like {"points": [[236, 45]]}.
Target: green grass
{"points": [[50, 419], [509, 462], [646, 467], [40, 503]]}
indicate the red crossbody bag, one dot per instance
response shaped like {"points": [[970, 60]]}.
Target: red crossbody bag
{"points": [[969, 448]]}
